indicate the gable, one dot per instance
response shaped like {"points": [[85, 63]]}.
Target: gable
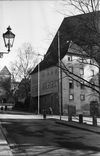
{"points": [[5, 72]]}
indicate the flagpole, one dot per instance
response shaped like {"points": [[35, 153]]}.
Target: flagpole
{"points": [[59, 79]]}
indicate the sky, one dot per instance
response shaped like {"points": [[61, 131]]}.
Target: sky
{"points": [[35, 22], [32, 21]]}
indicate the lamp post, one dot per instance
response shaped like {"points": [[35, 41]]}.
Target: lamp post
{"points": [[8, 37]]}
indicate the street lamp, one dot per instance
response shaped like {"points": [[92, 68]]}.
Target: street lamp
{"points": [[8, 37]]}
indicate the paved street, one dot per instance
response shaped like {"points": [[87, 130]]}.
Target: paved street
{"points": [[27, 135]]}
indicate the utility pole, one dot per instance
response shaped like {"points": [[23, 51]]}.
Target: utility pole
{"points": [[59, 78], [38, 89], [99, 82], [39, 84]]}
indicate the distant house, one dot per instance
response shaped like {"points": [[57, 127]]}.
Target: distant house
{"points": [[5, 83], [5, 73]]}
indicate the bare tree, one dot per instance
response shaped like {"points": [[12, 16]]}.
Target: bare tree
{"points": [[21, 68], [88, 30], [84, 6], [86, 35], [26, 61]]}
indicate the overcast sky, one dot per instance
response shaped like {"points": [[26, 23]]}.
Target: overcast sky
{"points": [[31, 21]]}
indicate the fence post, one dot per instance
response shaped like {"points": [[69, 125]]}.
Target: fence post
{"points": [[80, 118], [69, 118], [94, 120]]}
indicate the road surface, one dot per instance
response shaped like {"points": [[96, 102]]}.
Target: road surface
{"points": [[38, 137]]}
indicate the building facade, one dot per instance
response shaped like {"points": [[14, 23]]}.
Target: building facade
{"points": [[74, 89], [45, 86], [76, 73], [48, 89]]}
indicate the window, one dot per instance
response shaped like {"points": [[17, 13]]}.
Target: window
{"points": [[82, 97], [71, 84], [51, 72], [92, 85], [92, 72], [81, 60], [71, 69], [56, 72], [47, 72], [71, 97], [91, 61], [82, 85], [69, 58], [81, 71]]}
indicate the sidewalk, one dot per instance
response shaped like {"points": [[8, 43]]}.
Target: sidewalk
{"points": [[4, 146], [82, 126]]}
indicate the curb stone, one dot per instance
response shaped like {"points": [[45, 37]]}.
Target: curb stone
{"points": [[83, 126], [6, 151]]}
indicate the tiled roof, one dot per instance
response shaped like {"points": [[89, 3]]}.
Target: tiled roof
{"points": [[71, 29]]}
